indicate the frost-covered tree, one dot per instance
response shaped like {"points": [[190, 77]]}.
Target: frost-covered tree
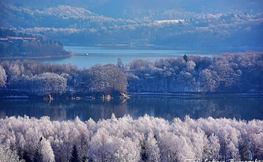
{"points": [[114, 78], [208, 80], [151, 147], [48, 83], [93, 78], [46, 151], [213, 147], [3, 76], [8, 155], [14, 71]]}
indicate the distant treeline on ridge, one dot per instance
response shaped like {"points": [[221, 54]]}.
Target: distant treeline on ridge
{"points": [[230, 72]]}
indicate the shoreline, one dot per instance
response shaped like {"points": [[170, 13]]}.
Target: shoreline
{"points": [[140, 94], [196, 94]]}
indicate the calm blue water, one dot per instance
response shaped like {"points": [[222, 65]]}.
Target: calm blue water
{"points": [[103, 55], [106, 55], [247, 108]]}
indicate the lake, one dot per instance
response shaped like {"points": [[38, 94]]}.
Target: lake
{"points": [[107, 55], [245, 108], [104, 55]]}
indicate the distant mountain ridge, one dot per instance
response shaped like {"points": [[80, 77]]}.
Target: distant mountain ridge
{"points": [[176, 23], [132, 9]]}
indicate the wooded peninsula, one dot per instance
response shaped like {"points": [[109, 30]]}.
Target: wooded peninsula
{"points": [[20, 45]]}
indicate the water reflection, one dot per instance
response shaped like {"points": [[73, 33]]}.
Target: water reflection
{"points": [[165, 107], [170, 107], [63, 109]]}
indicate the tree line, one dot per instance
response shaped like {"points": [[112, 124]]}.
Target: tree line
{"points": [[124, 139], [40, 79], [227, 73]]}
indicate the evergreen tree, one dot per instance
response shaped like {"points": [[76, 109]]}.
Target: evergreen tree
{"points": [[37, 155], [143, 152], [74, 155], [26, 157], [185, 58], [119, 64]]}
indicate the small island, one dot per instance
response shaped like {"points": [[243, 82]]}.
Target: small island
{"points": [[22, 45]]}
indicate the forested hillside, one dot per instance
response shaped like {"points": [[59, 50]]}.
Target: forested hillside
{"points": [[230, 72], [125, 139], [14, 44], [135, 23]]}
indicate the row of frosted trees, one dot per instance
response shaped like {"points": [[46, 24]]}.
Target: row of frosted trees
{"points": [[124, 139], [238, 72]]}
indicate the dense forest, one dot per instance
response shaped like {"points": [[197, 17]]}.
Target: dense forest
{"points": [[14, 44], [125, 139], [227, 73]]}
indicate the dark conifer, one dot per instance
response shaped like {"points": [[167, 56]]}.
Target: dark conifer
{"points": [[185, 58], [143, 152], [26, 157], [37, 155], [74, 155]]}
